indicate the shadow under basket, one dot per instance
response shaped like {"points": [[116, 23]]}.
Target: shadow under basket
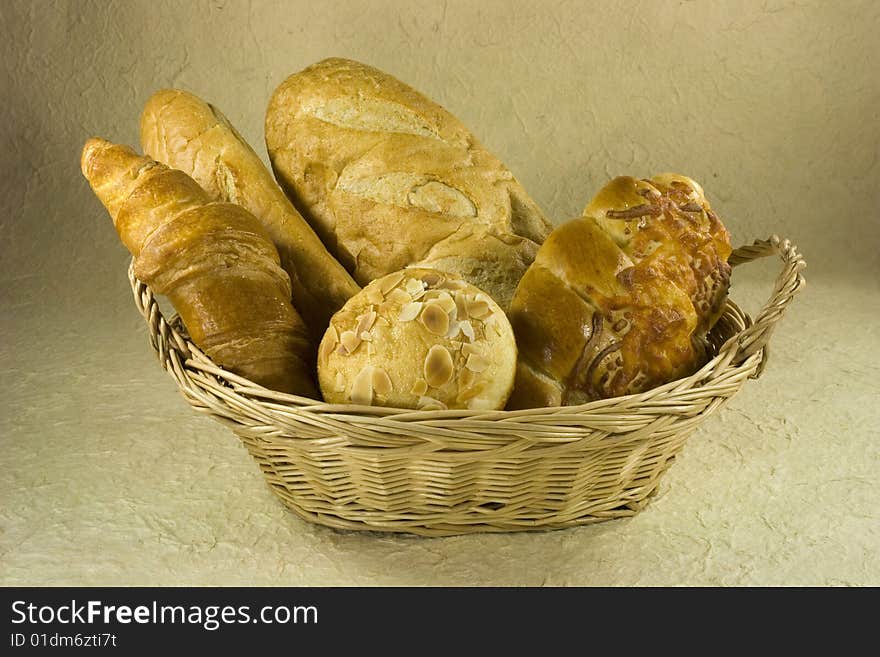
{"points": [[436, 473]]}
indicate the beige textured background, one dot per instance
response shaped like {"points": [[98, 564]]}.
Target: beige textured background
{"points": [[109, 478]]}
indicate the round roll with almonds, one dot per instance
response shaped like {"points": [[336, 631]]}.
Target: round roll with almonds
{"points": [[419, 338]]}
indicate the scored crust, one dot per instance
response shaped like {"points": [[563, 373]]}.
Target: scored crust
{"points": [[185, 132], [419, 338], [385, 175]]}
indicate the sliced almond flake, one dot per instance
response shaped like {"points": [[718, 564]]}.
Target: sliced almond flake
{"points": [[438, 366], [478, 308], [381, 321], [445, 301], [467, 349], [467, 329], [400, 297], [362, 386], [410, 311], [453, 331], [381, 381], [390, 282], [366, 321], [431, 404], [471, 391], [420, 387], [434, 319], [340, 382], [366, 336], [374, 294], [415, 287], [326, 349], [476, 363], [329, 342], [350, 341], [492, 322]]}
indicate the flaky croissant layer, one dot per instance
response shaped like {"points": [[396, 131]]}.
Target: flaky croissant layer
{"points": [[214, 262]]}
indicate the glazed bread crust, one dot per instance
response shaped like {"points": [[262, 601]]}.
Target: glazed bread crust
{"points": [[666, 223], [385, 176], [184, 132], [214, 261], [620, 300]]}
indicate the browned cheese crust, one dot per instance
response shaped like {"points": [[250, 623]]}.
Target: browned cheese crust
{"points": [[620, 300]]}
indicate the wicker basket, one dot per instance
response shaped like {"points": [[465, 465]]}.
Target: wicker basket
{"points": [[438, 473]]}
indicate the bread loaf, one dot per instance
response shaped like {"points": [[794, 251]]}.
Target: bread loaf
{"points": [[388, 179], [184, 132], [620, 300], [419, 338], [214, 261]]}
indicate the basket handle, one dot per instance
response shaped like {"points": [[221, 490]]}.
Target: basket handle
{"points": [[789, 282]]}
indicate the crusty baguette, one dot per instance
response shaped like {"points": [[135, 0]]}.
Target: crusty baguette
{"points": [[620, 300], [386, 175], [181, 130], [214, 261]]}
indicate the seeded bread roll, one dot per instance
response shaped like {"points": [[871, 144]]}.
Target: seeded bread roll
{"points": [[620, 300], [386, 176], [418, 338]]}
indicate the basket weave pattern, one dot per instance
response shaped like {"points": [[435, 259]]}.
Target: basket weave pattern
{"points": [[453, 472]]}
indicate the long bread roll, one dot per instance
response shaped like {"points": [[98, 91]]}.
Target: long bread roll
{"points": [[620, 300], [181, 130], [214, 262], [387, 177]]}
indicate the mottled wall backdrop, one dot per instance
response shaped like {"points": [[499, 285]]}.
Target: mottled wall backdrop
{"points": [[772, 105]]}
